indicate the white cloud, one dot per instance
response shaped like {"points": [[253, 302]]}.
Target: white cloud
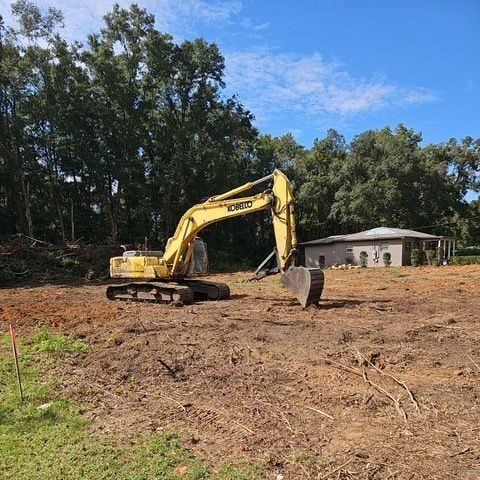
{"points": [[271, 84], [251, 25], [208, 10], [85, 16], [420, 95]]}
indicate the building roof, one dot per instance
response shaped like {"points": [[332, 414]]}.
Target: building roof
{"points": [[380, 233]]}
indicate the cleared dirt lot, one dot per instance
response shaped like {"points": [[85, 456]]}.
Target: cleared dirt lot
{"points": [[381, 381]]}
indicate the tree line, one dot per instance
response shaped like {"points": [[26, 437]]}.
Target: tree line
{"points": [[113, 140]]}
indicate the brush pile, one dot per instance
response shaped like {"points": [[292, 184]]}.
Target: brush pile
{"points": [[26, 260]]}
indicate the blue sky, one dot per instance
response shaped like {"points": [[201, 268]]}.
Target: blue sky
{"points": [[306, 66]]}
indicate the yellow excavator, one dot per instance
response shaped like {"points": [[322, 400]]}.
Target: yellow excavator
{"points": [[164, 278]]}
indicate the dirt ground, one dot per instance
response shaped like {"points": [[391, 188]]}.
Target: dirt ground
{"points": [[381, 381]]}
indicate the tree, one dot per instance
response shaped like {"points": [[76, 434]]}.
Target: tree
{"points": [[386, 180], [115, 61], [197, 143], [119, 138], [33, 25], [316, 177], [469, 225], [459, 161], [22, 77]]}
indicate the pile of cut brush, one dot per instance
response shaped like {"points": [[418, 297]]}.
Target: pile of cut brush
{"points": [[25, 260]]}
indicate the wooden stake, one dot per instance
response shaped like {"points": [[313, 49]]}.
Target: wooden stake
{"points": [[15, 356]]}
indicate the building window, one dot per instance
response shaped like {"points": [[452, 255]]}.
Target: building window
{"points": [[349, 249], [384, 246]]}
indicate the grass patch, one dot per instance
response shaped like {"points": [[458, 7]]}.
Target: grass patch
{"points": [[46, 341], [46, 437], [230, 472]]}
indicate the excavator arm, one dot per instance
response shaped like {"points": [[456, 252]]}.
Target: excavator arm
{"points": [[307, 284], [221, 207]]}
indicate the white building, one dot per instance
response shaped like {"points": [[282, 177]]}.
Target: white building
{"points": [[339, 249]]}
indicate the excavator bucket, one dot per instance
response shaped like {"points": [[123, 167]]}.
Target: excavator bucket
{"points": [[305, 283]]}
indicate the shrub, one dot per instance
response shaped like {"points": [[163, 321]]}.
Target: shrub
{"points": [[321, 262], [433, 257], [467, 252], [440, 255], [465, 260], [69, 262], [363, 259], [417, 257], [387, 259]]}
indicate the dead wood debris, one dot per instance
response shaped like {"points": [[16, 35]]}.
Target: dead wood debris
{"points": [[167, 367], [319, 411], [363, 361], [473, 361], [398, 382], [465, 450], [329, 474]]}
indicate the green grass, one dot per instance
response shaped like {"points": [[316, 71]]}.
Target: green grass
{"points": [[46, 341], [46, 437], [230, 472]]}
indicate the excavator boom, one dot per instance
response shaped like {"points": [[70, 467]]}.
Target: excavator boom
{"points": [[306, 284]]}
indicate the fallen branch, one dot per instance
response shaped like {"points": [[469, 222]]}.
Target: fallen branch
{"points": [[465, 450], [65, 255], [243, 426], [336, 469], [396, 401], [398, 382], [74, 244], [158, 396], [102, 389], [341, 366], [320, 412], [447, 326], [35, 240], [21, 273], [471, 359], [289, 425], [392, 474], [283, 324], [167, 367]]}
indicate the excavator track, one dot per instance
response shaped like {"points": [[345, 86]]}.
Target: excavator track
{"points": [[156, 292], [206, 290]]}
